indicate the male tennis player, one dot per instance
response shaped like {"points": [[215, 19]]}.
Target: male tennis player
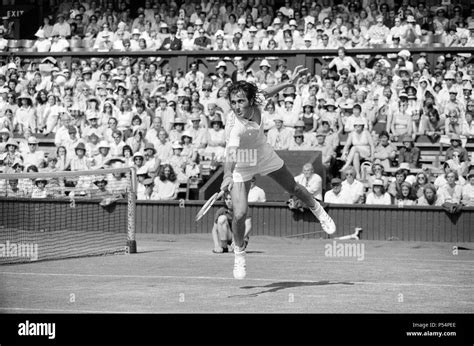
{"points": [[249, 154]]}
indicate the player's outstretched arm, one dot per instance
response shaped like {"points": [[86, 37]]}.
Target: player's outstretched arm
{"points": [[299, 70]]}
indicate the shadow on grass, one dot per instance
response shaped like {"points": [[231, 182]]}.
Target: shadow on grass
{"points": [[278, 286]]}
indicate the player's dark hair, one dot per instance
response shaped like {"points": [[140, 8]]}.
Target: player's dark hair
{"points": [[250, 90]]}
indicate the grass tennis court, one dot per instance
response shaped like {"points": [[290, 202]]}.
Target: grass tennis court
{"points": [[180, 274]]}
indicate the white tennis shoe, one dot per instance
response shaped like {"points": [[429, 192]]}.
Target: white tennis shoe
{"points": [[239, 264], [327, 224]]}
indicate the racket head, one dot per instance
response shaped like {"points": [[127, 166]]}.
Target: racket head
{"points": [[205, 208]]}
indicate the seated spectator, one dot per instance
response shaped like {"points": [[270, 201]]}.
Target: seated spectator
{"points": [[468, 190], [432, 125], [378, 194], [406, 196], [422, 179], [327, 151], [299, 142], [101, 191], [215, 140], [40, 190], [385, 152], [455, 163], [409, 153], [430, 197], [336, 195], [12, 154], [256, 194], [441, 180], [451, 191], [279, 137], [33, 156], [352, 186], [456, 145], [359, 146], [166, 184], [312, 181]]}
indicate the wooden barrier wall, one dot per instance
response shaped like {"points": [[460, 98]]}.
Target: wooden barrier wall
{"points": [[275, 219]]}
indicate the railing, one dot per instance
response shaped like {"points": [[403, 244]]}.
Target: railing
{"points": [[312, 59], [275, 219]]}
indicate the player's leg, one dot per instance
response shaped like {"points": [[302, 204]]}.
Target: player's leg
{"points": [[239, 194], [286, 180]]}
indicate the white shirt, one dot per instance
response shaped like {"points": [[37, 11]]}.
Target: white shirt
{"points": [[256, 194], [314, 185], [342, 198], [373, 199], [355, 190]]}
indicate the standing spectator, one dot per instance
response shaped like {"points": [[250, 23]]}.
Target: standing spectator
{"points": [[378, 194], [312, 181]]}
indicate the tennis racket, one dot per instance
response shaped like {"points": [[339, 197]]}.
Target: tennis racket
{"points": [[205, 208]]}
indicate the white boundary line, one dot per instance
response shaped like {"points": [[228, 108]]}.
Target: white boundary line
{"points": [[173, 277]]}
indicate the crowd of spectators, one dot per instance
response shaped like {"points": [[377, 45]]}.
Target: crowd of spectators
{"points": [[251, 25], [165, 120]]}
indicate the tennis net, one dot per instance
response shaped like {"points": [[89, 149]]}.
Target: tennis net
{"points": [[60, 215]]}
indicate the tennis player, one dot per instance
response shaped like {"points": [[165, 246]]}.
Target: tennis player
{"points": [[249, 154]]}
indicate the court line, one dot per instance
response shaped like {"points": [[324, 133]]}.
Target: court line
{"points": [[71, 310], [176, 277]]}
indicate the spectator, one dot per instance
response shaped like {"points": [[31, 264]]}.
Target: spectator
{"points": [[299, 143], [354, 188], [327, 151], [256, 194], [378, 172], [359, 146], [456, 145], [468, 190], [40, 190], [430, 197], [165, 184], [279, 137], [406, 197], [385, 152], [378, 194], [409, 153], [451, 191], [312, 181]]}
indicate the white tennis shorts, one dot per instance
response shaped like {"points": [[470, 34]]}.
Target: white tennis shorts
{"points": [[269, 162]]}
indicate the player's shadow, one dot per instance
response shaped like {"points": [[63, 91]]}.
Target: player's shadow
{"points": [[278, 286]]}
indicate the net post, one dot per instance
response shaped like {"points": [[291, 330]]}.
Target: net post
{"points": [[132, 205]]}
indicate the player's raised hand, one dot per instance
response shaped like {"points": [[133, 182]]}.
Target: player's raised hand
{"points": [[297, 72]]}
